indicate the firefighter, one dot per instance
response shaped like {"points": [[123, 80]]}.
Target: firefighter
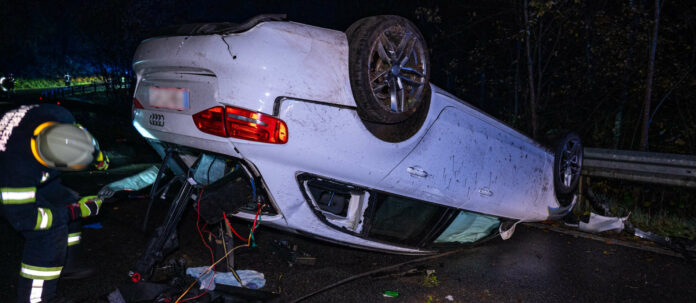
{"points": [[7, 85], [36, 143]]}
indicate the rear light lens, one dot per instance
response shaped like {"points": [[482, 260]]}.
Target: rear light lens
{"points": [[136, 105], [242, 124], [211, 121]]}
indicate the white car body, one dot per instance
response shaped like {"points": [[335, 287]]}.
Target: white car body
{"points": [[460, 158]]}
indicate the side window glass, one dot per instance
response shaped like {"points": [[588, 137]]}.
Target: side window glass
{"points": [[404, 221]]}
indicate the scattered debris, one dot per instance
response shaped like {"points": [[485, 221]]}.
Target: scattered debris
{"points": [[430, 279], [135, 182], [390, 294], [289, 252], [251, 279], [598, 223], [172, 267]]}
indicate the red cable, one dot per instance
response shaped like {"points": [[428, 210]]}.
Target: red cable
{"points": [[256, 217], [234, 231], [207, 231], [212, 256], [253, 227]]}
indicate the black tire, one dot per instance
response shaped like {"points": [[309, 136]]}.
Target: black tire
{"points": [[389, 68], [567, 164]]}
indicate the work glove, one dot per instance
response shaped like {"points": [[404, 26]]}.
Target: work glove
{"points": [[106, 192], [102, 161], [87, 207]]}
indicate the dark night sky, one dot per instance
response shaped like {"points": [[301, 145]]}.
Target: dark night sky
{"points": [[42, 37]]}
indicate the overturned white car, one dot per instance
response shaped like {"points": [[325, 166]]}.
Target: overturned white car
{"points": [[341, 135]]}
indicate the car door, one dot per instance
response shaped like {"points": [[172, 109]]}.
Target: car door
{"points": [[471, 161]]}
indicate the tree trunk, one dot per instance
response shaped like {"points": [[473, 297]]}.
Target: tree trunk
{"points": [[651, 72], [627, 78], [530, 70], [517, 81]]}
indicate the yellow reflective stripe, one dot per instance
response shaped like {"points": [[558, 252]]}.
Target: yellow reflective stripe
{"points": [[74, 238], [35, 152], [40, 273], [41, 127], [44, 219], [18, 195]]}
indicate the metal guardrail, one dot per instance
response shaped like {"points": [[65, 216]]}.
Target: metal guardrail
{"points": [[660, 168], [67, 91]]}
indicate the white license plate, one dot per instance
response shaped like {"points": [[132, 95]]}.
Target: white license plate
{"points": [[171, 98]]}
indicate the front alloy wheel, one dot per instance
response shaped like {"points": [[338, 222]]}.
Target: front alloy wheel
{"points": [[397, 69]]}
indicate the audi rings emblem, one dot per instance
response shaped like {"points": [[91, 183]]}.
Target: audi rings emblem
{"points": [[157, 120]]}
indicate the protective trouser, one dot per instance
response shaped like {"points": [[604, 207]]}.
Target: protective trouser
{"points": [[73, 246], [45, 255], [41, 217], [42, 263]]}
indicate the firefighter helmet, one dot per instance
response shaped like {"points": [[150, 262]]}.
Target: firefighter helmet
{"points": [[64, 146]]}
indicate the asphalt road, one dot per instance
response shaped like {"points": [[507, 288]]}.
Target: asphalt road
{"points": [[534, 266]]}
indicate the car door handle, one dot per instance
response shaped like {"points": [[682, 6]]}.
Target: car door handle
{"points": [[485, 192], [417, 171]]}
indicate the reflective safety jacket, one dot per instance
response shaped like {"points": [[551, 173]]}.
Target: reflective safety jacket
{"points": [[31, 195]]}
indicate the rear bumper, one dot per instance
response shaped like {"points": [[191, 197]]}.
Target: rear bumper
{"points": [[253, 68]]}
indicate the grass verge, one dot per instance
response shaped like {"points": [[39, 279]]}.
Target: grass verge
{"points": [[26, 83]]}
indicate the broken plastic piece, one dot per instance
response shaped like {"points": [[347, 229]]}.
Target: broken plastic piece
{"points": [[136, 182], [507, 228], [651, 236], [210, 169], [390, 294], [598, 224], [250, 278]]}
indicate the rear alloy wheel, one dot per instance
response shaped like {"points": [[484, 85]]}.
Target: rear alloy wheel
{"points": [[567, 164], [389, 69]]}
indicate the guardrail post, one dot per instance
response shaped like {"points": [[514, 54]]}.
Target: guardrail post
{"points": [[581, 191]]}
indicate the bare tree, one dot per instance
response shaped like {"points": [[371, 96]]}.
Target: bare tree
{"points": [[530, 69], [651, 72], [627, 76]]}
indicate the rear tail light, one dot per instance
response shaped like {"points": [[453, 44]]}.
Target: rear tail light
{"points": [[242, 124], [136, 104], [211, 121]]}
